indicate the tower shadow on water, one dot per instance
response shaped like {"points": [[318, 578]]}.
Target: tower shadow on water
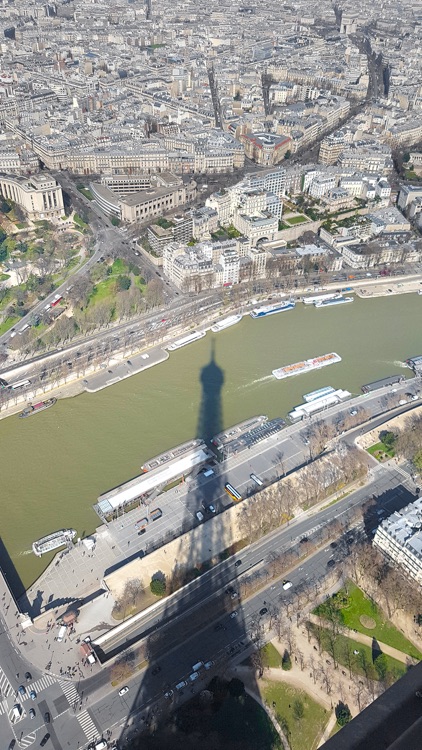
{"points": [[210, 420]]}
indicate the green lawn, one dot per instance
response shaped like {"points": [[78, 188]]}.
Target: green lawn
{"points": [[87, 193], [8, 324], [296, 220], [102, 290], [362, 662], [80, 222], [353, 603], [270, 656], [302, 732], [380, 451]]}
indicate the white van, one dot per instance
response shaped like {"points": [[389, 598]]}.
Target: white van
{"points": [[194, 676], [62, 633], [101, 745], [181, 685], [196, 667], [208, 472], [17, 711]]}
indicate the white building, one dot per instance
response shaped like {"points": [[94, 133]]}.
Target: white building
{"points": [[399, 537]]}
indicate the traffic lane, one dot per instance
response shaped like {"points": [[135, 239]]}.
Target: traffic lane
{"points": [[211, 643], [281, 540]]}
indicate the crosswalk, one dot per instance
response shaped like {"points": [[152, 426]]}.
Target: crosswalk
{"points": [[44, 682], [70, 692], [87, 725], [28, 740], [83, 717], [5, 686]]}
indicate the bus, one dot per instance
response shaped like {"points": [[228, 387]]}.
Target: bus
{"points": [[257, 480], [21, 384], [232, 492]]}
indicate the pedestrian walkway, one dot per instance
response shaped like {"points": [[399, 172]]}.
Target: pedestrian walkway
{"points": [[84, 718], [44, 682], [28, 740], [70, 692], [5, 686], [88, 725]]}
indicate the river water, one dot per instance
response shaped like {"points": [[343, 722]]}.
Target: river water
{"points": [[55, 464]]}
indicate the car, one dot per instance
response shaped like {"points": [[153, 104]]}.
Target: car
{"points": [[305, 440], [237, 563], [210, 508], [12, 744], [22, 691], [123, 690], [333, 545], [199, 515], [28, 676], [353, 412], [44, 740], [263, 611], [156, 670], [287, 585], [219, 626], [230, 591], [331, 563], [169, 694], [33, 695], [304, 540], [234, 614], [47, 717], [32, 713]]}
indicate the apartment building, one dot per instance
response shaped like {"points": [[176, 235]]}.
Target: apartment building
{"points": [[266, 149], [399, 537]]}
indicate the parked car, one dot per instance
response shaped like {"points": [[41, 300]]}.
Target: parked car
{"points": [[47, 717], [124, 690], [28, 676], [44, 740], [32, 713], [199, 515], [263, 611]]}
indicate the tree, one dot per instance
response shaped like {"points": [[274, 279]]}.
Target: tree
{"points": [[123, 283], [286, 662], [158, 586], [406, 157], [343, 714], [236, 688]]}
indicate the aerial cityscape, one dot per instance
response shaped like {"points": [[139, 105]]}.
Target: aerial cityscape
{"points": [[210, 375]]}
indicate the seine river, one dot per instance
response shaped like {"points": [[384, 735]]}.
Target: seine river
{"points": [[54, 466]]}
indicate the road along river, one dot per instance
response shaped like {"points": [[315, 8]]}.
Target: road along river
{"points": [[55, 464]]}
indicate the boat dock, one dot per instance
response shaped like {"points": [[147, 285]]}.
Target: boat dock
{"points": [[177, 452], [383, 383], [246, 438]]}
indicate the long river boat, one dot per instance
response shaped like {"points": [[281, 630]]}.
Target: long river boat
{"points": [[306, 366]]}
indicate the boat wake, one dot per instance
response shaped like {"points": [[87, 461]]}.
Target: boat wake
{"points": [[398, 363], [25, 552], [256, 382]]}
